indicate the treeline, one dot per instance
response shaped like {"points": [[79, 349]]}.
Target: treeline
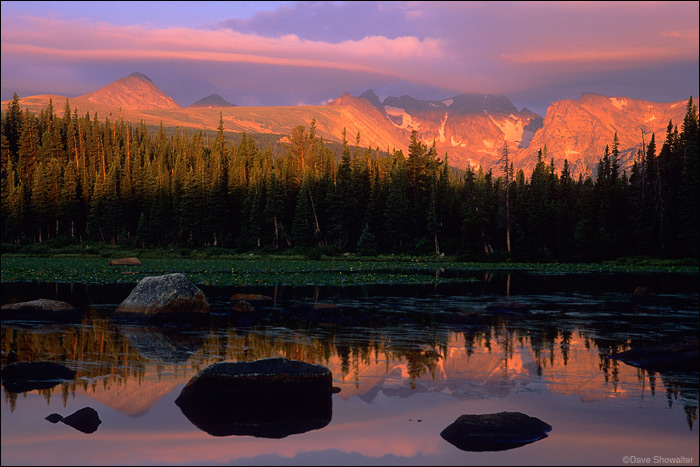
{"points": [[78, 178]]}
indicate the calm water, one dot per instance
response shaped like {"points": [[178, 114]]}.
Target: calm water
{"points": [[407, 368]]}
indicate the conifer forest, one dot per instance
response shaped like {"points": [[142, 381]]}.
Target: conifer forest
{"points": [[71, 178]]}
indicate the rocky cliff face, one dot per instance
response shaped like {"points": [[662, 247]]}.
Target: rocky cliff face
{"points": [[579, 130], [471, 129], [135, 91]]}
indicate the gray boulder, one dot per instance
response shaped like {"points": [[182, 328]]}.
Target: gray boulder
{"points": [[269, 398], [495, 432], [41, 310], [171, 297]]}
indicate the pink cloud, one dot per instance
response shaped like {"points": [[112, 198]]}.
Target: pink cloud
{"points": [[45, 38]]}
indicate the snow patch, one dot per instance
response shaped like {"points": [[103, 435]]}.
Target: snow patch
{"points": [[407, 122], [513, 131], [457, 143], [488, 143], [619, 103], [433, 104], [448, 102], [677, 104], [570, 152], [441, 131]]}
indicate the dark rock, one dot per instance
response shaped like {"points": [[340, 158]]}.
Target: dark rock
{"points": [[41, 309], [243, 307], [495, 432], [255, 300], [54, 418], [167, 298], [245, 314], [676, 356], [643, 296], [86, 420], [27, 376], [125, 262], [269, 398]]}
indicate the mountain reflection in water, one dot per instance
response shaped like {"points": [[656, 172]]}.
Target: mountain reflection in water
{"points": [[408, 357]]}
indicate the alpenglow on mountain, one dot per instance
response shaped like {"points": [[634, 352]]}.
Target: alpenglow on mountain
{"points": [[471, 129], [135, 91]]}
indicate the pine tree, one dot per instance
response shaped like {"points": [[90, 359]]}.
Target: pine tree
{"points": [[507, 168], [302, 227], [689, 190], [398, 213], [274, 211]]}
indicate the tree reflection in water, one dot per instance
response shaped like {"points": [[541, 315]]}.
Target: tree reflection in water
{"points": [[562, 348]]}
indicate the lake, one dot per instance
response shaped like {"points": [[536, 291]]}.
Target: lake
{"points": [[408, 359]]}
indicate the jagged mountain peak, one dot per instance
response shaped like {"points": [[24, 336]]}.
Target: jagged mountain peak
{"points": [[372, 98], [460, 104], [361, 103], [474, 103], [135, 91]]}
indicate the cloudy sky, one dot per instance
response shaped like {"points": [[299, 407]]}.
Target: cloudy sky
{"points": [[296, 53]]}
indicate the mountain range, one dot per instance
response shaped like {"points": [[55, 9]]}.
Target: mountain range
{"points": [[471, 129]]}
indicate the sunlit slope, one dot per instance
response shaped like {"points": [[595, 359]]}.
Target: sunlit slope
{"points": [[330, 119], [579, 130]]}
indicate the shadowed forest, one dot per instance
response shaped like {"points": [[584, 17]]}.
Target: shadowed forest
{"points": [[69, 179]]}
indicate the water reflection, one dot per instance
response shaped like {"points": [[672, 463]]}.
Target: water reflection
{"points": [[398, 355], [263, 415], [131, 368]]}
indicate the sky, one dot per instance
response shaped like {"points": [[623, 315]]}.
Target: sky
{"points": [[307, 53]]}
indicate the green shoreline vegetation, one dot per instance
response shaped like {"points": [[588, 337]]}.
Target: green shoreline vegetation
{"points": [[215, 266]]}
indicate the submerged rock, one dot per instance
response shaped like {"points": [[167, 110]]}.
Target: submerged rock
{"points": [[256, 300], [162, 344], [495, 432], [27, 376], [269, 398], [86, 420], [642, 297], [678, 356], [171, 297], [41, 309]]}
